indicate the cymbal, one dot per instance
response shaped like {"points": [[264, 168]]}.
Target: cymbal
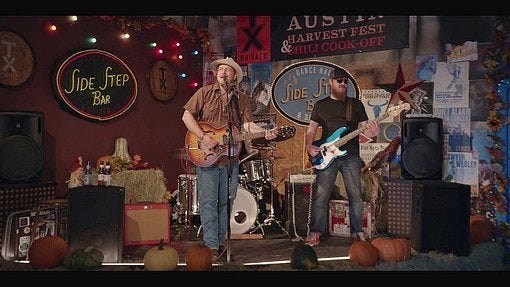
{"points": [[178, 154]]}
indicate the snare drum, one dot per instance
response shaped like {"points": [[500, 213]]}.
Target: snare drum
{"points": [[188, 195]]}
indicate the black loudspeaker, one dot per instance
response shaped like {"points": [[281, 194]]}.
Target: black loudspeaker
{"points": [[440, 217], [21, 147], [422, 148], [297, 208], [96, 217]]}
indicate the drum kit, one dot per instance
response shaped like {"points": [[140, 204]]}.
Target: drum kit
{"points": [[249, 213]]}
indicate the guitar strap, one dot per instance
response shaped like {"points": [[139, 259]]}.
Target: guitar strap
{"points": [[348, 111]]}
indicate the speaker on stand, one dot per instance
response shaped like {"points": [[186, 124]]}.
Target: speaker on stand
{"points": [[21, 147], [422, 148]]}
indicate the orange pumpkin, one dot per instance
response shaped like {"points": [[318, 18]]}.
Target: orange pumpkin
{"points": [[363, 253], [47, 252], [198, 257], [480, 229], [392, 249]]}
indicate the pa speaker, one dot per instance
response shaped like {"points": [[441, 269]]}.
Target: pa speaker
{"points": [[297, 208], [96, 217], [440, 217], [21, 147], [422, 148]]}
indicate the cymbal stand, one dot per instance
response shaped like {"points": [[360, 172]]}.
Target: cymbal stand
{"points": [[271, 218]]}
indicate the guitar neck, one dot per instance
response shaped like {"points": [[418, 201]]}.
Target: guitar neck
{"points": [[343, 140], [246, 135]]}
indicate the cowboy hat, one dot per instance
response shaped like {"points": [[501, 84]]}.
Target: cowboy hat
{"points": [[229, 62]]}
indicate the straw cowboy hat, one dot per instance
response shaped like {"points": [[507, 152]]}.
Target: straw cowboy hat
{"points": [[230, 62]]}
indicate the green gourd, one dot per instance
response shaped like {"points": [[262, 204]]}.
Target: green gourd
{"points": [[88, 258], [303, 257]]}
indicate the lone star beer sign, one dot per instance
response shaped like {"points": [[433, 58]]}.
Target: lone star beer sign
{"points": [[96, 85]]}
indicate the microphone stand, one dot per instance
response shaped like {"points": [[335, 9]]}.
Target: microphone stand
{"points": [[229, 165]]}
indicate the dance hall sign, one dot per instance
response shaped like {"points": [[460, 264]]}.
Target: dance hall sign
{"points": [[96, 85], [299, 86], [298, 37]]}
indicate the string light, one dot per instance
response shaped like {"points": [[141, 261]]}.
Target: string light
{"points": [[53, 28], [195, 52], [92, 40], [73, 18], [153, 44], [183, 75], [125, 36]]}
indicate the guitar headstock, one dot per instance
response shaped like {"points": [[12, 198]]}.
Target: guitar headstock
{"points": [[396, 110], [285, 132]]}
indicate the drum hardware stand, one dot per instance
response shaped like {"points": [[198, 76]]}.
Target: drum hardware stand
{"points": [[271, 218]]}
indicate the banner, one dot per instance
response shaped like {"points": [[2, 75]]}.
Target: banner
{"points": [[253, 39], [298, 37]]}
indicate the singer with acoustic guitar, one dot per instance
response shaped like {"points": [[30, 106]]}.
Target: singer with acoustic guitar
{"points": [[215, 115], [337, 114]]}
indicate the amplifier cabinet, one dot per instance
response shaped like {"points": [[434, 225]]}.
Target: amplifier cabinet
{"points": [[146, 223], [20, 197], [297, 208], [440, 217]]}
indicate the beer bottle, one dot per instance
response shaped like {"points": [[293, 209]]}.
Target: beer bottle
{"points": [[100, 173], [107, 176], [88, 174]]}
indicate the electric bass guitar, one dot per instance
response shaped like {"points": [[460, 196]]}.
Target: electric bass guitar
{"points": [[205, 158], [330, 146]]}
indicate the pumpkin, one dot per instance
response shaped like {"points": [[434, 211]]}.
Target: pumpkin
{"points": [[47, 252], [88, 258], [198, 257], [303, 257], [480, 229], [392, 249], [161, 258], [363, 253]]}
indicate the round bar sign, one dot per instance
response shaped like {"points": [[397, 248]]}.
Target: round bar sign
{"points": [[299, 86], [96, 84]]}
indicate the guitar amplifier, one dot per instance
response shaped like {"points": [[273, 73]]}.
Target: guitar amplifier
{"points": [[146, 223], [297, 208]]}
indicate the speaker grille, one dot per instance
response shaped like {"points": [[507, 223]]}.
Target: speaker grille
{"points": [[422, 157], [21, 159], [422, 148], [96, 217]]}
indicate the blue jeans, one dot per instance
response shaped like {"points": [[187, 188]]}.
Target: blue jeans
{"points": [[350, 167], [212, 198]]}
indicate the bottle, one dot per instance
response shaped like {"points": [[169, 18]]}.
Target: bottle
{"points": [[107, 175], [100, 173], [88, 174]]}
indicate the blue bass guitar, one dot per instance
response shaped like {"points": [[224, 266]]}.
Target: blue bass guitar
{"points": [[330, 146]]}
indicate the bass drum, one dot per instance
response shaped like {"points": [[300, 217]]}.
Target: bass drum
{"points": [[244, 212]]}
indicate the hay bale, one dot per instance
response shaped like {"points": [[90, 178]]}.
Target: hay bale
{"points": [[146, 185]]}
